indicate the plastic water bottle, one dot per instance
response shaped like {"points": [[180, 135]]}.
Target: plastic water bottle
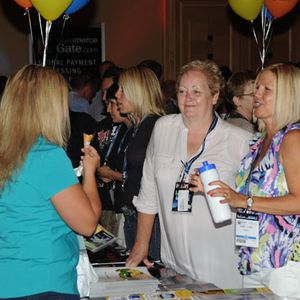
{"points": [[220, 211]]}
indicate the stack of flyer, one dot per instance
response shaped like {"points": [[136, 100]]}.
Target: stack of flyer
{"points": [[115, 281], [100, 239]]}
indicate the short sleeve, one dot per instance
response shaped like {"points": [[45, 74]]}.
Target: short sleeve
{"points": [[57, 172]]}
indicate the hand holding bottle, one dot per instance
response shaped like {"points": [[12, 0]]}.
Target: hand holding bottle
{"points": [[220, 212]]}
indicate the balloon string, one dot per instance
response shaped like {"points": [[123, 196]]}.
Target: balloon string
{"points": [[269, 31], [31, 34], [41, 29], [65, 17], [263, 28], [47, 31], [256, 40], [263, 20], [269, 35]]}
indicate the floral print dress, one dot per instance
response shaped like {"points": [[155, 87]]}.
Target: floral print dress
{"points": [[279, 236]]}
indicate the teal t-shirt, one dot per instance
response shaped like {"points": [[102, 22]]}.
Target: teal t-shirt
{"points": [[38, 250]]}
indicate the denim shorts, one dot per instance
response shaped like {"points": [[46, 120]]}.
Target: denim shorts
{"points": [[47, 296]]}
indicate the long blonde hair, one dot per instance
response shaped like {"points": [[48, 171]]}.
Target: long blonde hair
{"points": [[286, 108], [34, 103], [141, 87]]}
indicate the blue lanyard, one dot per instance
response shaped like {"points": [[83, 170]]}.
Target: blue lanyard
{"points": [[113, 137], [187, 166]]}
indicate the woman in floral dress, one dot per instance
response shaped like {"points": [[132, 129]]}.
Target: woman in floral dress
{"points": [[268, 186]]}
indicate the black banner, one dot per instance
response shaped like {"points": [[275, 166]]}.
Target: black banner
{"points": [[73, 52]]}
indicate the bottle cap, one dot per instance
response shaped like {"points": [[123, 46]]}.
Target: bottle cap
{"points": [[206, 166]]}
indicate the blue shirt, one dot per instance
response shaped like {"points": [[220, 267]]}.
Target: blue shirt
{"points": [[77, 103], [38, 251]]}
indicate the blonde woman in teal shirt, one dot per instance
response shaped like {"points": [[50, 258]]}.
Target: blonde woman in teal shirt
{"points": [[42, 204]]}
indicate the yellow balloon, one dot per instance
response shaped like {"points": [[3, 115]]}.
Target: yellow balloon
{"points": [[51, 9], [247, 9]]}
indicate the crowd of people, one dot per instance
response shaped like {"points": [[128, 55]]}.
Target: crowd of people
{"points": [[140, 177]]}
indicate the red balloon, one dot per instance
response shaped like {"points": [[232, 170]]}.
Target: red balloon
{"points": [[279, 8], [24, 3]]}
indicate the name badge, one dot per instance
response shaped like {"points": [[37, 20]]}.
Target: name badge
{"points": [[183, 197], [246, 229]]}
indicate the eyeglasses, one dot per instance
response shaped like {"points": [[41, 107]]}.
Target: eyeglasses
{"points": [[243, 95]]}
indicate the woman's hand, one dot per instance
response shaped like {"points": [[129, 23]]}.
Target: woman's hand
{"points": [[138, 254], [105, 173], [90, 160], [231, 197]]}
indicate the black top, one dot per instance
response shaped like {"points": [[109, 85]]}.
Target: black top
{"points": [[103, 133], [135, 154], [116, 163], [112, 158], [80, 123]]}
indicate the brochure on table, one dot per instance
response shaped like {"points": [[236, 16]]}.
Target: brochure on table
{"points": [[119, 281]]}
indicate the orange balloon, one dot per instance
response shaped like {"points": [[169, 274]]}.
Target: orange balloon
{"points": [[24, 3], [279, 8]]}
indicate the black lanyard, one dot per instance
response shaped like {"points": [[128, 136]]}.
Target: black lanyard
{"points": [[187, 165]]}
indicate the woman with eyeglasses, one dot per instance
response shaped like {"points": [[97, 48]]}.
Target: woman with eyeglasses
{"points": [[190, 242], [239, 94]]}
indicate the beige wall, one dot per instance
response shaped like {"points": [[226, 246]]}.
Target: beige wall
{"points": [[133, 30]]}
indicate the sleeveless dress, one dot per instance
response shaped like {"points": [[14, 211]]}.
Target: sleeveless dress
{"points": [[279, 236]]}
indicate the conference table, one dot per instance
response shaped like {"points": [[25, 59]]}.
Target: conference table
{"points": [[173, 285]]}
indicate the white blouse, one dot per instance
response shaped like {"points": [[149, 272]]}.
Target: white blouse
{"points": [[190, 242]]}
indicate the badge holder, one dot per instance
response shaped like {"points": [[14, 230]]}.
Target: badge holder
{"points": [[183, 197], [246, 229]]}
